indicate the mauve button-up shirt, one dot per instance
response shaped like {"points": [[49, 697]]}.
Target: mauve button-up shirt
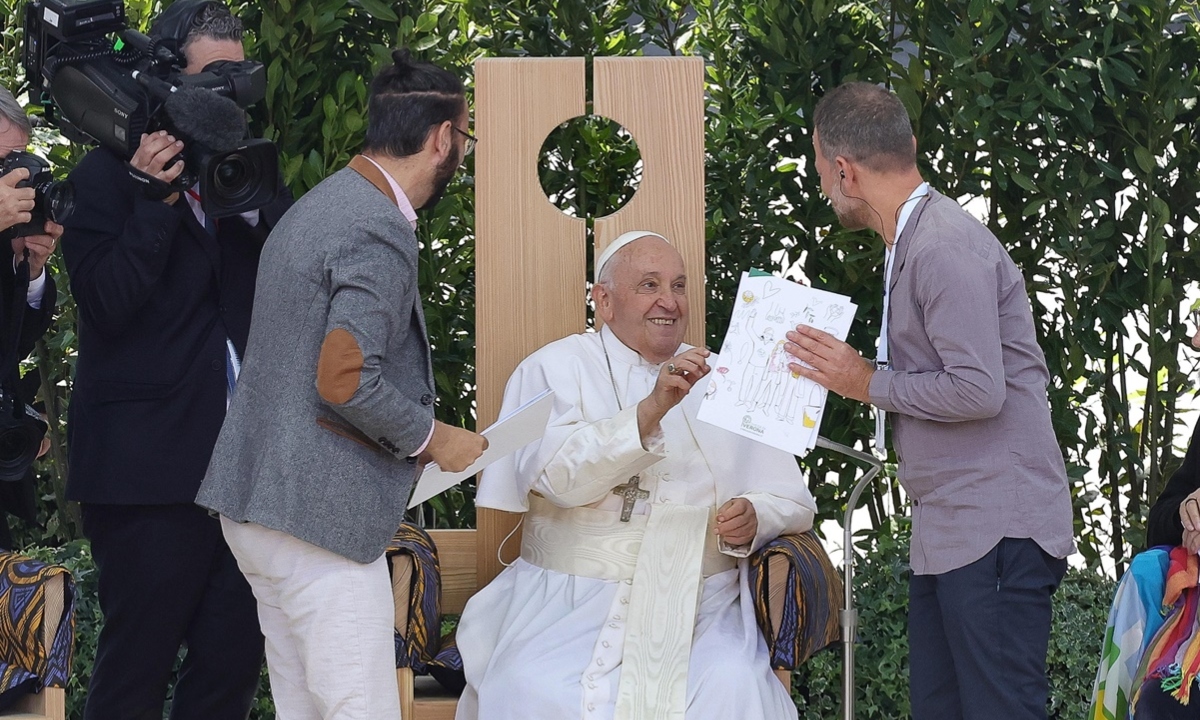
{"points": [[966, 396]]}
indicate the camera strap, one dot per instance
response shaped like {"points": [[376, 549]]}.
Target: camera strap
{"points": [[152, 187], [10, 363]]}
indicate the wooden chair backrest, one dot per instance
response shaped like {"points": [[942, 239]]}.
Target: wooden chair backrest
{"points": [[530, 257]]}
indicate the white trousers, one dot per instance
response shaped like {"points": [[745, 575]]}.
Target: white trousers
{"points": [[328, 624]]}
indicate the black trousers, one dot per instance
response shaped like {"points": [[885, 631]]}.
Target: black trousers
{"points": [[167, 579], [978, 636]]}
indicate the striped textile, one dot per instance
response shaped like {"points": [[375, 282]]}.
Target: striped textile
{"points": [[422, 647], [23, 602], [1134, 618], [1172, 658], [811, 597]]}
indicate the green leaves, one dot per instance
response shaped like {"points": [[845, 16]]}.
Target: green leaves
{"points": [[1069, 128]]}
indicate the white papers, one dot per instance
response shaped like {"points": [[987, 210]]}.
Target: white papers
{"points": [[509, 434], [752, 391]]}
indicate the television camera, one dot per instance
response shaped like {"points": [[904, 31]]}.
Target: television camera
{"points": [[101, 81]]}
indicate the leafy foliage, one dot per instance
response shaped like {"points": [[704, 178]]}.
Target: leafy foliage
{"points": [[881, 656], [1068, 127]]}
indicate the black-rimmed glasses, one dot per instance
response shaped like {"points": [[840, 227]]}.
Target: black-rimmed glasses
{"points": [[471, 140]]}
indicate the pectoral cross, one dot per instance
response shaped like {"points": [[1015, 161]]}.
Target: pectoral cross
{"points": [[631, 494]]}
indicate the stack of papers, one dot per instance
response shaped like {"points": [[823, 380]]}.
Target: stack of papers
{"points": [[506, 436]]}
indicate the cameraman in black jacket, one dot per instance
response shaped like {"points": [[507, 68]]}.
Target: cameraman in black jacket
{"points": [[164, 297], [16, 205]]}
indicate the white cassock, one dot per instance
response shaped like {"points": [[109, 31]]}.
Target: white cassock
{"points": [[538, 643]]}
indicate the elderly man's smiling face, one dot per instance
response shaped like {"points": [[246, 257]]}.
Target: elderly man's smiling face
{"points": [[644, 300]]}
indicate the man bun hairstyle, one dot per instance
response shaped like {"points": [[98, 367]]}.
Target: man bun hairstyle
{"points": [[866, 124], [407, 100]]}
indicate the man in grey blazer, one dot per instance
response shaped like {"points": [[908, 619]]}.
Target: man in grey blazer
{"points": [[333, 412], [963, 380]]}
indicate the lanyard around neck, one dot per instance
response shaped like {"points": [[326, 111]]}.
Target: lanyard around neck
{"points": [[889, 262]]}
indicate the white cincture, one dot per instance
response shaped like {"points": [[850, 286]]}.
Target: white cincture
{"points": [[663, 556]]}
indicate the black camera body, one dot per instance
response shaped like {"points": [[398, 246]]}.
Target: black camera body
{"points": [[110, 92], [21, 433], [53, 199]]}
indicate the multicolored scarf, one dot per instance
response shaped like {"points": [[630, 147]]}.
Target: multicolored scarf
{"points": [[1173, 655], [1133, 620]]}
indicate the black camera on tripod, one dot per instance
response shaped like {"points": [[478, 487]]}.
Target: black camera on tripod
{"points": [[53, 199], [95, 89]]}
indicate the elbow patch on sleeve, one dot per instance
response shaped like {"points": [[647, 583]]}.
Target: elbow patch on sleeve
{"points": [[339, 367]]}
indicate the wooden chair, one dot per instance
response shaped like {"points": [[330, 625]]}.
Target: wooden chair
{"points": [[531, 258], [57, 590]]}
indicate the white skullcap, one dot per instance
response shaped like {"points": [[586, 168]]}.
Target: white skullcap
{"points": [[619, 243]]}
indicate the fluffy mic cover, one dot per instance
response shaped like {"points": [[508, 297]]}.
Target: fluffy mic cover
{"points": [[203, 117]]}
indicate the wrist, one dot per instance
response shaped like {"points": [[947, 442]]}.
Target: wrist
{"points": [[648, 419]]}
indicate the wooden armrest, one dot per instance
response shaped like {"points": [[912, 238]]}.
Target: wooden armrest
{"points": [[402, 570]]}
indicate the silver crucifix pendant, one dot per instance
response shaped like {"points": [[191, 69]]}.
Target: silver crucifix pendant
{"points": [[631, 494]]}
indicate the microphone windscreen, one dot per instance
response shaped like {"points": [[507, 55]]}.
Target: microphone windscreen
{"points": [[203, 117]]}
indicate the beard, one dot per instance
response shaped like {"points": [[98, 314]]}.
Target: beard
{"points": [[852, 214], [441, 180]]}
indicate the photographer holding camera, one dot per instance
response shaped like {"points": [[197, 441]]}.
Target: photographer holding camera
{"points": [[18, 206], [164, 296]]}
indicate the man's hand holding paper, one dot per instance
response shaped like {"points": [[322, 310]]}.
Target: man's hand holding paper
{"points": [[831, 363], [453, 448]]}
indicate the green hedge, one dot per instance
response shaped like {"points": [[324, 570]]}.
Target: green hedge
{"points": [[881, 657], [881, 593], [1070, 127]]}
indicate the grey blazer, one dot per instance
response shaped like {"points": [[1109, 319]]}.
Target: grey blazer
{"points": [[966, 395], [330, 467]]}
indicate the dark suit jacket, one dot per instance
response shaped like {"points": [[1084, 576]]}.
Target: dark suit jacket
{"points": [[157, 296], [36, 321], [19, 498], [1164, 526]]}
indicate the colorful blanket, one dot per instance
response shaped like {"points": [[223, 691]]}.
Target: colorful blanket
{"points": [[812, 597], [422, 647], [23, 602]]}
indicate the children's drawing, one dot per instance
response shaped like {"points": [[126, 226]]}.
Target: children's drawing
{"points": [[754, 391], [758, 353]]}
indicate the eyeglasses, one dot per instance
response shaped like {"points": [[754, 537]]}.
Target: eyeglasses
{"points": [[471, 140]]}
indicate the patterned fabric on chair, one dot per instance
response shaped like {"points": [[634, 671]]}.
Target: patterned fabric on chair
{"points": [[25, 661], [797, 614], [422, 647]]}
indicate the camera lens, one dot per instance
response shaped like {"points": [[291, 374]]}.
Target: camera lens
{"points": [[14, 444], [235, 177], [57, 200], [239, 180]]}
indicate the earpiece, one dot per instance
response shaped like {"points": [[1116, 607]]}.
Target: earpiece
{"points": [[842, 173]]}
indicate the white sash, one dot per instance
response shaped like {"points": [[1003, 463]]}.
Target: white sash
{"points": [[664, 556]]}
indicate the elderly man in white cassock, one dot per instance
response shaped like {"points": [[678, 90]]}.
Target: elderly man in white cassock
{"points": [[630, 597]]}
